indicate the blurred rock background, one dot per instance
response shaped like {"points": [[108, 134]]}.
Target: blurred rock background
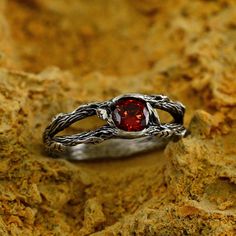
{"points": [[56, 55]]}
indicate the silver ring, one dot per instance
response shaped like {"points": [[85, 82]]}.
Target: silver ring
{"points": [[133, 126]]}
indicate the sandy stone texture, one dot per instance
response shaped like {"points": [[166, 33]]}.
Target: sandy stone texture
{"points": [[56, 55]]}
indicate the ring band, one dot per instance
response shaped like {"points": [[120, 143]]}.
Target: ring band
{"points": [[133, 126]]}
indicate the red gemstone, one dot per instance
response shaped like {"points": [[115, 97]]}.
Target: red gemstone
{"points": [[130, 114]]}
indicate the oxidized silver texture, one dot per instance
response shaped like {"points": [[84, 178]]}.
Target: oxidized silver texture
{"points": [[110, 141]]}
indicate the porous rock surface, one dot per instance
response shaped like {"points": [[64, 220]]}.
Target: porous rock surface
{"points": [[56, 55]]}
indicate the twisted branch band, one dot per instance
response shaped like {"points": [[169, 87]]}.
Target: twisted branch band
{"points": [[133, 126]]}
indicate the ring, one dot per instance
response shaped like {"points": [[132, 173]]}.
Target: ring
{"points": [[133, 126]]}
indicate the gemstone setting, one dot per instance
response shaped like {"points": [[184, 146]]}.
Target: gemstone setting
{"points": [[130, 114]]}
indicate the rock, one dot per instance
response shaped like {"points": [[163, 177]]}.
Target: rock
{"points": [[56, 55]]}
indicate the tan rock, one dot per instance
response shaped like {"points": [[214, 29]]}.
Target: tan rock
{"points": [[70, 52]]}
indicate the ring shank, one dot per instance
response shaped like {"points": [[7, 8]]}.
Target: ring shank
{"points": [[114, 148]]}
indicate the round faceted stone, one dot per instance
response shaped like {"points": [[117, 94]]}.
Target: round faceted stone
{"points": [[130, 114]]}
